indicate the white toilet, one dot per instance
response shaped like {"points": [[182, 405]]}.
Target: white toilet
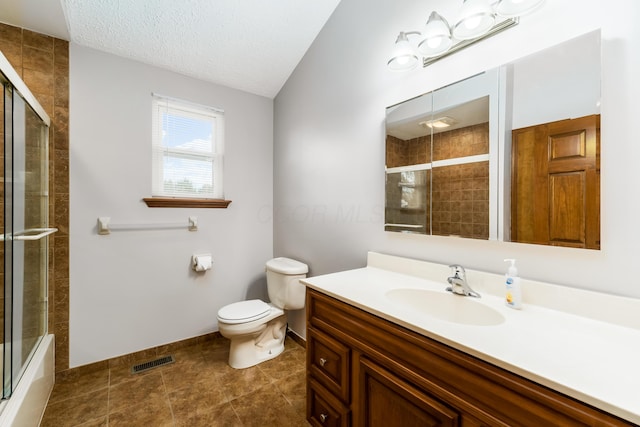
{"points": [[256, 329]]}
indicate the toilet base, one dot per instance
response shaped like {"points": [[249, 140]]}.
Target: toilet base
{"points": [[252, 349]]}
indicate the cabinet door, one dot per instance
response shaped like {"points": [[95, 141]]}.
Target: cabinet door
{"points": [[386, 400]]}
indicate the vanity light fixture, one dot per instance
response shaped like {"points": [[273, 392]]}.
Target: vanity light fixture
{"points": [[477, 20]]}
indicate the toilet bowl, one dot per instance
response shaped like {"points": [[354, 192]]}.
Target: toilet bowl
{"points": [[257, 329]]}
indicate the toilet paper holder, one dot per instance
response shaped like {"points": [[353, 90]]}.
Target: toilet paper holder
{"points": [[201, 262]]}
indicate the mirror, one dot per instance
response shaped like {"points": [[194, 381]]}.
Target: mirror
{"points": [[509, 154]]}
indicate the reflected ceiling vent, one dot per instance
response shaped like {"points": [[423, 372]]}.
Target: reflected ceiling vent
{"points": [[439, 123]]}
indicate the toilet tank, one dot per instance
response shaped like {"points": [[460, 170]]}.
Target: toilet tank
{"points": [[283, 283]]}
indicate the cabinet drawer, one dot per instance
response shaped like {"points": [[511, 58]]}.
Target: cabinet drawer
{"points": [[324, 409], [329, 362]]}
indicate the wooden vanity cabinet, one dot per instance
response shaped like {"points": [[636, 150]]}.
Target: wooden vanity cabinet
{"points": [[363, 370], [385, 399]]}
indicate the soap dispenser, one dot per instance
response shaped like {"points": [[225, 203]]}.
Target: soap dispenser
{"points": [[513, 297]]}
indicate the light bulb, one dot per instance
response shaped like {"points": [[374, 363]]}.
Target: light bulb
{"points": [[475, 19], [434, 42], [473, 22], [403, 57], [436, 36]]}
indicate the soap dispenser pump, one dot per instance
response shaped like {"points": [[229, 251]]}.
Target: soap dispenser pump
{"points": [[513, 297]]}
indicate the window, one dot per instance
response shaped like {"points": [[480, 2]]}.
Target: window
{"points": [[188, 148]]}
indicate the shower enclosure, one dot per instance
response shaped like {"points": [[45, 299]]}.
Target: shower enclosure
{"points": [[24, 135]]}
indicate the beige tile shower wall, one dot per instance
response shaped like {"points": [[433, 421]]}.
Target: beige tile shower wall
{"points": [[43, 64], [414, 151], [461, 200], [461, 192], [468, 141], [394, 152], [418, 150]]}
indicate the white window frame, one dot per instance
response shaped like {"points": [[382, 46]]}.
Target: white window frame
{"points": [[161, 104]]}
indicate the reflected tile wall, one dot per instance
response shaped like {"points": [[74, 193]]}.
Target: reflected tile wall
{"points": [[461, 200], [459, 194], [410, 152], [463, 142]]}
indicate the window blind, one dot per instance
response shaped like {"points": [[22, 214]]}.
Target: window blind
{"points": [[187, 149]]}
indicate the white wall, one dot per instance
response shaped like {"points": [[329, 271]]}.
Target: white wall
{"points": [[329, 141], [133, 290], [565, 73]]}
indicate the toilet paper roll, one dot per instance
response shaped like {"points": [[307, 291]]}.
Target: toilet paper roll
{"points": [[202, 262]]}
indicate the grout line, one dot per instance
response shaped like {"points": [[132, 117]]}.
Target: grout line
{"points": [[235, 412], [166, 394], [109, 397]]}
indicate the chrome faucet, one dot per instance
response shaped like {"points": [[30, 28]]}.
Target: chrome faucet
{"points": [[458, 282]]}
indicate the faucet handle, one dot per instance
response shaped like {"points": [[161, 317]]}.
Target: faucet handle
{"points": [[457, 269]]}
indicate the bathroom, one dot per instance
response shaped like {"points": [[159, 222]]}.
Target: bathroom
{"points": [[304, 169]]}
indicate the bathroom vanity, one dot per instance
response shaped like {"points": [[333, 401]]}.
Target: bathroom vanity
{"points": [[374, 358]]}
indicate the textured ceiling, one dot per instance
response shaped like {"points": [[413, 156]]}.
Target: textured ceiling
{"points": [[251, 45]]}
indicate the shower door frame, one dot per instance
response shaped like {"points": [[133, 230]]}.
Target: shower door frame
{"points": [[14, 88]]}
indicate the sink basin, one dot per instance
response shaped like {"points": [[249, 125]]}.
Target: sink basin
{"points": [[446, 306]]}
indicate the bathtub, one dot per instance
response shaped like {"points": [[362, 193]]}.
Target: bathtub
{"points": [[29, 399]]}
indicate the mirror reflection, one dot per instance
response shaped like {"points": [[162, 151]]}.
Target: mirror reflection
{"points": [[509, 154]]}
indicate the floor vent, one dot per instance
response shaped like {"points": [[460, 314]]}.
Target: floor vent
{"points": [[142, 367]]}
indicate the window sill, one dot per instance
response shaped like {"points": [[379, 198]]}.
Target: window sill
{"points": [[178, 202]]}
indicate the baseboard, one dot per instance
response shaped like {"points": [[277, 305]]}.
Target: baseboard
{"points": [[297, 338], [152, 352], [127, 358]]}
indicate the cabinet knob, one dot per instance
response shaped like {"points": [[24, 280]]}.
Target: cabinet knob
{"points": [[323, 361], [323, 417]]}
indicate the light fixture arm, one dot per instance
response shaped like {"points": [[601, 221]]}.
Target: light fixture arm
{"points": [[403, 35]]}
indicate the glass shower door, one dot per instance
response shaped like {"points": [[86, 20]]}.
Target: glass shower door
{"points": [[25, 223]]}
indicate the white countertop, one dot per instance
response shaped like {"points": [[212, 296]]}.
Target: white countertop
{"points": [[595, 361]]}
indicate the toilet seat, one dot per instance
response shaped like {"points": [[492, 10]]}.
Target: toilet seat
{"points": [[244, 311]]}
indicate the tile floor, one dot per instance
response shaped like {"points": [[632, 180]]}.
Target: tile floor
{"points": [[199, 389]]}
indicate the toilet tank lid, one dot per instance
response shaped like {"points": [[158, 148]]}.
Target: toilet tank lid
{"points": [[287, 266]]}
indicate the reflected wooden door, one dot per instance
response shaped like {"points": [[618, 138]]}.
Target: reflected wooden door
{"points": [[555, 183]]}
